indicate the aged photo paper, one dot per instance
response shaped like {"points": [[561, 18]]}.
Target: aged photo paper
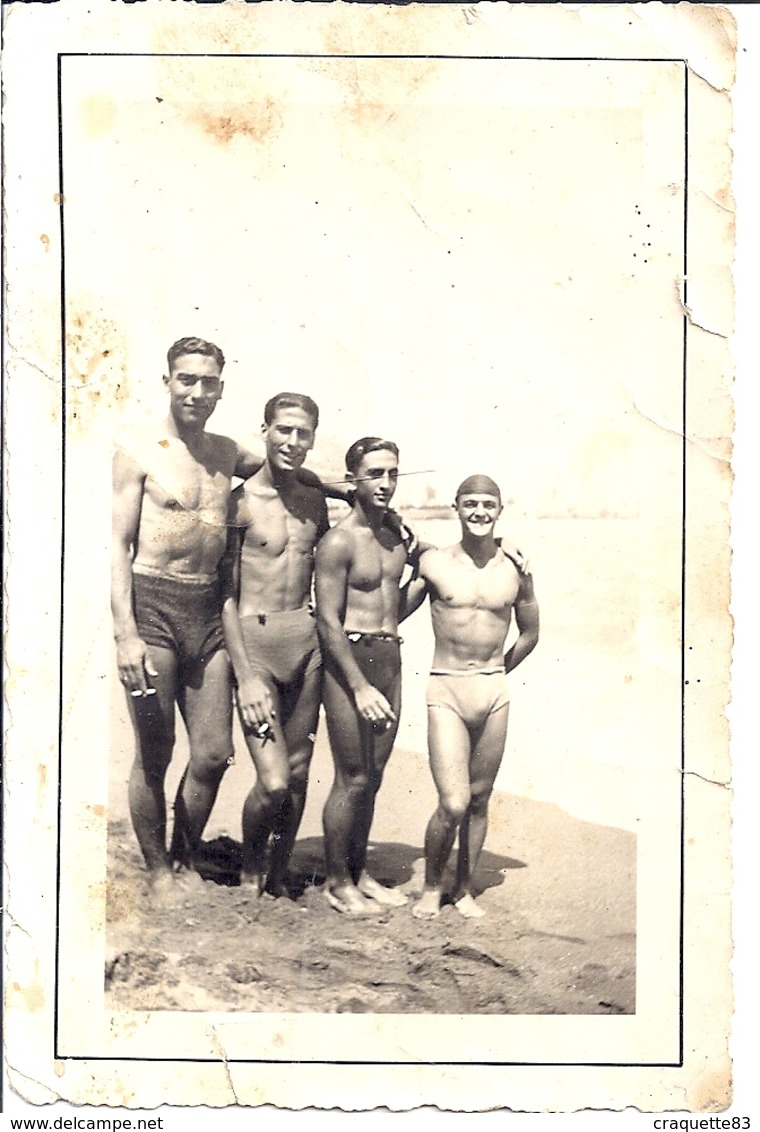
{"points": [[501, 236]]}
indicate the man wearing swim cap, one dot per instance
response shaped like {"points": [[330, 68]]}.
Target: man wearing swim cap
{"points": [[474, 588], [358, 573]]}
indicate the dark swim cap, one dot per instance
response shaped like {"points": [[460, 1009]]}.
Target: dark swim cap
{"points": [[478, 485]]}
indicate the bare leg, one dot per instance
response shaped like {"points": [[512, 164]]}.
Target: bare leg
{"points": [[343, 808], [449, 746], [300, 715], [205, 701], [485, 762], [153, 722], [378, 750], [267, 796]]}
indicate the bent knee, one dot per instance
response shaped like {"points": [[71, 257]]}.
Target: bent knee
{"points": [[454, 806], [479, 801], [355, 785], [274, 789], [210, 765], [299, 779]]}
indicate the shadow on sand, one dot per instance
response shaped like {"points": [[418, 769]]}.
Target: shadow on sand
{"points": [[394, 864]]}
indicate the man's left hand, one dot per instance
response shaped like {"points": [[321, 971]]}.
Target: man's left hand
{"points": [[515, 556]]}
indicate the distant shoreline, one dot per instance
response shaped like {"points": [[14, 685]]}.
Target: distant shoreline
{"points": [[443, 512]]}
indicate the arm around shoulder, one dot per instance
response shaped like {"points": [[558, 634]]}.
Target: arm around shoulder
{"points": [[527, 618], [330, 490], [246, 463], [417, 588]]}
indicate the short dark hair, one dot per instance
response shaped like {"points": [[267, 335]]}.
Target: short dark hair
{"points": [[360, 448], [291, 401], [194, 346]]}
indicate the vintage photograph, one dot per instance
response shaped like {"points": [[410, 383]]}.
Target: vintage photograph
{"points": [[378, 364], [331, 817]]}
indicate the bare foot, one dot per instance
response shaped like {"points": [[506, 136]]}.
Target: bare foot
{"points": [[188, 881], [276, 887], [165, 892], [415, 886], [252, 880], [349, 901], [429, 905], [467, 907], [390, 897]]}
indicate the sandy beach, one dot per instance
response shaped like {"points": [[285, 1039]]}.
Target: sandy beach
{"points": [[558, 937]]}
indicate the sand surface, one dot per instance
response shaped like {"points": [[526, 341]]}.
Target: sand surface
{"points": [[558, 937]]}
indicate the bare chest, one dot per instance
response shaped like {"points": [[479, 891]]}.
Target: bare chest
{"points": [[178, 483], [377, 563], [492, 589], [275, 530]]}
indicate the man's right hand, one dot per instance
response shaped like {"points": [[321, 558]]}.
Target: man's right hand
{"points": [[373, 706], [135, 666], [254, 702]]}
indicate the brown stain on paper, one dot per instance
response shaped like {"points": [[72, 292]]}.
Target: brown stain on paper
{"points": [[96, 368], [222, 97], [32, 994], [711, 1091], [231, 98], [224, 122], [99, 113]]}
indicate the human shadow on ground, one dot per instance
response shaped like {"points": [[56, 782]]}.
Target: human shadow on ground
{"points": [[394, 864]]}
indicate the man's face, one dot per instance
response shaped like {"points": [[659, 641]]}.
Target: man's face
{"points": [[478, 512], [289, 437], [376, 479], [195, 386]]}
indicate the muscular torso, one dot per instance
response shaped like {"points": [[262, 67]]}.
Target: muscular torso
{"points": [[279, 531], [183, 514], [374, 573], [471, 607]]}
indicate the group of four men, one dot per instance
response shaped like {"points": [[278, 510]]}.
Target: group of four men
{"points": [[206, 577]]}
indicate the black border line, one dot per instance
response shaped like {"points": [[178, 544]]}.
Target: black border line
{"points": [[59, 89], [683, 550], [380, 55], [416, 1062]]}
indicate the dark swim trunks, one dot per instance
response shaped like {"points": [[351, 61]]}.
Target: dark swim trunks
{"points": [[378, 656], [180, 614], [283, 647]]}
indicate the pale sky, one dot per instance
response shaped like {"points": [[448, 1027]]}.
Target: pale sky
{"points": [[478, 269]]}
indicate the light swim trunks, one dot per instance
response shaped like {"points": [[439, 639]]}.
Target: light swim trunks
{"points": [[283, 647], [473, 694]]}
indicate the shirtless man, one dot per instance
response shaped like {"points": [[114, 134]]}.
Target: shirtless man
{"points": [[271, 634], [172, 486], [358, 572], [473, 589]]}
